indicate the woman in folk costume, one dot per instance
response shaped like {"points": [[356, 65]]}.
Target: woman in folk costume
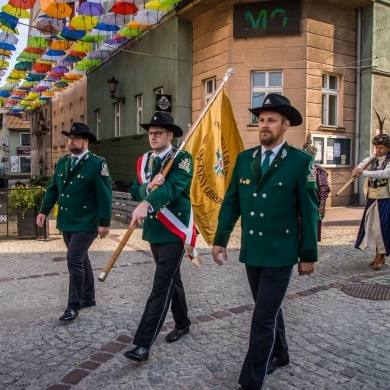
{"points": [[374, 229]]}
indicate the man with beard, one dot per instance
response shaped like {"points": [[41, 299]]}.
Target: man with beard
{"points": [[81, 186], [273, 191]]}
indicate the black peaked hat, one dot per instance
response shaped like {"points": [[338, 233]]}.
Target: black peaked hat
{"points": [[279, 103], [80, 129], [164, 120]]}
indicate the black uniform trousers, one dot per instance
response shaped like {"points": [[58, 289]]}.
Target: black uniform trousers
{"points": [[267, 336], [167, 288], [81, 280]]}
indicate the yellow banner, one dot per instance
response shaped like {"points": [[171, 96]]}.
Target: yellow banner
{"points": [[214, 146]]}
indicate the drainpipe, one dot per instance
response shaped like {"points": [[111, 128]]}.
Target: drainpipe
{"points": [[358, 98]]}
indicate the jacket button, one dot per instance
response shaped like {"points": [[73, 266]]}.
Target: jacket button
{"points": [[261, 215], [67, 196], [260, 233], [264, 195], [85, 207], [252, 213], [255, 194], [287, 231], [62, 194], [250, 231], [280, 184], [179, 214], [71, 182]]}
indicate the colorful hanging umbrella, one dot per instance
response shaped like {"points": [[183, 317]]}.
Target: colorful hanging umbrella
{"points": [[58, 10], [4, 64], [6, 37], [5, 94], [129, 32], [71, 76], [55, 75], [25, 65], [156, 5], [106, 27], [148, 17], [8, 20], [9, 29], [82, 67], [34, 50], [114, 19], [41, 68], [39, 42], [82, 46], [91, 9], [135, 24], [117, 40], [35, 76], [82, 22], [89, 62], [55, 53], [60, 69], [74, 53], [50, 25], [24, 4], [93, 38], [70, 34], [19, 13], [124, 8], [172, 3], [60, 44], [100, 54], [6, 53], [7, 46], [61, 84]]}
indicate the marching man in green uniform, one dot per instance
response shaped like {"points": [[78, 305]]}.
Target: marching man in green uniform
{"points": [[81, 185], [166, 214], [273, 190]]}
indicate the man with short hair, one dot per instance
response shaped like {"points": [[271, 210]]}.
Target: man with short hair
{"points": [[374, 229], [81, 185], [165, 204], [273, 191]]}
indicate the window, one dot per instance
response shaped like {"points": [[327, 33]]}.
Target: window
{"points": [[332, 150], [62, 136], [209, 89], [97, 124], [117, 125], [263, 83], [25, 164], [139, 115], [330, 97], [25, 139], [55, 137]]}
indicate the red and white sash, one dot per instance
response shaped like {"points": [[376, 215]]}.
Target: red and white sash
{"points": [[170, 221]]}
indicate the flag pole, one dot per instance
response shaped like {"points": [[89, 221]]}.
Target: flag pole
{"points": [[129, 232]]}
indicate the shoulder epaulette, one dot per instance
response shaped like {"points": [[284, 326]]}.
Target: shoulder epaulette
{"points": [[301, 150], [99, 157]]}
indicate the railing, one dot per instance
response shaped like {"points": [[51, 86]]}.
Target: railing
{"points": [[122, 206]]}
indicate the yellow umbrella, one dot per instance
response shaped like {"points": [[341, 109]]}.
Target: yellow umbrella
{"points": [[4, 64], [72, 76], [60, 45], [32, 96], [58, 10], [156, 5], [83, 22], [17, 12], [82, 46], [9, 29]]}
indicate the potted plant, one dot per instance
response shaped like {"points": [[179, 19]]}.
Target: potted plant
{"points": [[24, 201]]}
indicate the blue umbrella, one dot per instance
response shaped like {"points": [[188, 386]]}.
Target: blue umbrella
{"points": [[5, 94], [55, 53], [7, 46], [8, 20], [72, 35], [106, 27]]}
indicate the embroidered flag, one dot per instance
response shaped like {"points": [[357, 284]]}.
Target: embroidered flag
{"points": [[214, 146]]}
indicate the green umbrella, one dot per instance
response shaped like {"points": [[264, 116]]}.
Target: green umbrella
{"points": [[39, 42], [23, 65], [93, 38]]}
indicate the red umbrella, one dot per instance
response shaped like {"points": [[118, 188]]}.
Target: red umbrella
{"points": [[77, 53], [124, 8], [41, 68], [34, 50], [24, 4]]}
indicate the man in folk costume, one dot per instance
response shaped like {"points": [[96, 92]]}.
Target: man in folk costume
{"points": [[166, 214], [272, 187], [374, 229]]}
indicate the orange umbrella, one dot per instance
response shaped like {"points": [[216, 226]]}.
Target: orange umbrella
{"points": [[77, 53], [58, 10], [41, 68], [60, 45], [34, 50]]}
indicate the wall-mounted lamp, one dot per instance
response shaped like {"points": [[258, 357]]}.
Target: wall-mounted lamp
{"points": [[113, 83]]}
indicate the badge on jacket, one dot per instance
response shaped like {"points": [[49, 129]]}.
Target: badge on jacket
{"points": [[185, 164], [104, 171]]}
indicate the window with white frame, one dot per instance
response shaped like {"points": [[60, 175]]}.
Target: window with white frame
{"points": [[263, 83], [97, 114], [159, 91], [139, 115], [117, 126], [209, 89], [332, 150], [330, 99], [25, 139]]}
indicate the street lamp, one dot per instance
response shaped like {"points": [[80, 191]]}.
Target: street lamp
{"points": [[113, 83]]}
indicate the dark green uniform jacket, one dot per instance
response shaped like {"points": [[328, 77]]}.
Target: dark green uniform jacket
{"points": [[173, 194], [278, 211], [84, 196]]}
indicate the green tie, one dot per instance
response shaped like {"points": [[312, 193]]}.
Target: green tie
{"points": [[156, 162], [73, 162], [265, 163]]}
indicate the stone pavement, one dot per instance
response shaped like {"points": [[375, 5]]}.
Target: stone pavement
{"points": [[336, 341]]}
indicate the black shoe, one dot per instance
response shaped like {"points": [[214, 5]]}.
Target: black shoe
{"points": [[277, 362], [176, 334], [69, 314], [85, 304], [138, 354]]}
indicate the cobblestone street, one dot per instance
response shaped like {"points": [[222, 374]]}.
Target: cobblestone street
{"points": [[336, 341]]}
